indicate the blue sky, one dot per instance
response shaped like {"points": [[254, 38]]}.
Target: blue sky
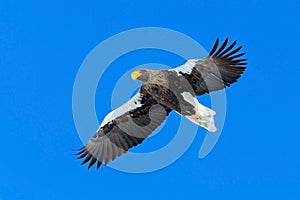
{"points": [[42, 45]]}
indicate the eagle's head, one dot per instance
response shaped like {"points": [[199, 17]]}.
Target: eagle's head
{"points": [[140, 74]]}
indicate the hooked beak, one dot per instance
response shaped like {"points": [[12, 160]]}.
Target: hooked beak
{"points": [[136, 74]]}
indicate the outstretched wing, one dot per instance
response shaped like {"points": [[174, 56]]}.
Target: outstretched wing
{"points": [[123, 128], [221, 68]]}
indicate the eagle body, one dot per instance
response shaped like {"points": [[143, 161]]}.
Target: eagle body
{"points": [[176, 93], [167, 88], [161, 92]]}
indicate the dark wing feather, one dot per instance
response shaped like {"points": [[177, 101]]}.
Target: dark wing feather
{"points": [[124, 131], [220, 69]]}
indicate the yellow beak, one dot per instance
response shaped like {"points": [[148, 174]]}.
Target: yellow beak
{"points": [[136, 74]]}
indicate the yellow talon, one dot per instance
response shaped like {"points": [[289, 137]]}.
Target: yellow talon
{"points": [[196, 116]]}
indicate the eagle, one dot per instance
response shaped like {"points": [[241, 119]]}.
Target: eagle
{"points": [[162, 92]]}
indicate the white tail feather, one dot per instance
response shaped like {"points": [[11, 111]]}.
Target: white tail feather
{"points": [[206, 117]]}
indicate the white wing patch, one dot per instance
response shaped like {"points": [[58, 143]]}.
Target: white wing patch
{"points": [[132, 104], [185, 68]]}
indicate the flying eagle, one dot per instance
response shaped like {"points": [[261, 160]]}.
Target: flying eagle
{"points": [[161, 92]]}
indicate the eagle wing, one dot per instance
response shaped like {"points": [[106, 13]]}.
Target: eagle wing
{"points": [[123, 128], [221, 68]]}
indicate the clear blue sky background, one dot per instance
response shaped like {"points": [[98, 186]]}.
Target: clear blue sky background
{"points": [[43, 43]]}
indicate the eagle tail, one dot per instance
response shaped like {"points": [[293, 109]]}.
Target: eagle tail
{"points": [[203, 117]]}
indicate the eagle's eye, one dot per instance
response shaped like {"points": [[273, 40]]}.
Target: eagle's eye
{"points": [[136, 74]]}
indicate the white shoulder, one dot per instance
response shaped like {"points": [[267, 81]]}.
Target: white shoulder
{"points": [[186, 67], [132, 104]]}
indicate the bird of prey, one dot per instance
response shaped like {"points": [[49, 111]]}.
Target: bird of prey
{"points": [[163, 91]]}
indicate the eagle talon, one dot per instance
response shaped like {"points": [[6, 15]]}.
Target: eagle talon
{"points": [[196, 116]]}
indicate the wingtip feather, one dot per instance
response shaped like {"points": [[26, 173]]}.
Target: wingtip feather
{"points": [[214, 47]]}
